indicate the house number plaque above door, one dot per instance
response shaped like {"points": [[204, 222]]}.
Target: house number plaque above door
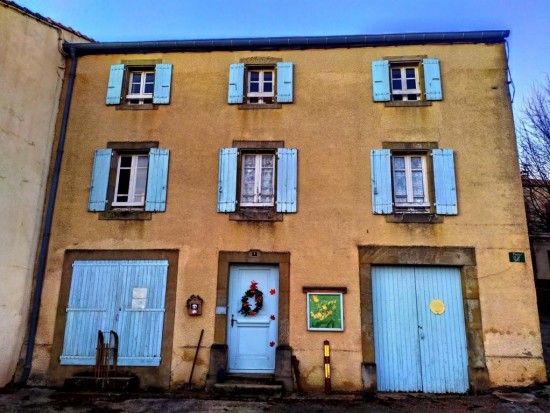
{"points": [[437, 307]]}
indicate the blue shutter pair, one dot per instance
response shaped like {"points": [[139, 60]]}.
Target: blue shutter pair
{"points": [[235, 94], [287, 180], [381, 91], [157, 179], [161, 92], [444, 182]]}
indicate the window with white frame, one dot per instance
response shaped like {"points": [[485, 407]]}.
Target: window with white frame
{"points": [[260, 85], [404, 83], [141, 84], [129, 176], [131, 180], [406, 79], [413, 182], [410, 182], [144, 84], [257, 180]]}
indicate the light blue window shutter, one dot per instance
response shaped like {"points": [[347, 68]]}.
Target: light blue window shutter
{"points": [[141, 320], [284, 82], [157, 180], [163, 77], [227, 180], [287, 180], [381, 181], [235, 92], [444, 182], [381, 80], [432, 79], [114, 89], [100, 180]]}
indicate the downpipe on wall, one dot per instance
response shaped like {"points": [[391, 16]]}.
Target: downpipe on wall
{"points": [[46, 231]]}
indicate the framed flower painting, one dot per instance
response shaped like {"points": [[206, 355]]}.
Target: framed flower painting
{"points": [[325, 311]]}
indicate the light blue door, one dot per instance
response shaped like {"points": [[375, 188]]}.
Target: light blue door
{"points": [[127, 297], [252, 338], [419, 329]]}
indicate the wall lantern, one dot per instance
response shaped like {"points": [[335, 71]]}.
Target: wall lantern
{"points": [[194, 305]]}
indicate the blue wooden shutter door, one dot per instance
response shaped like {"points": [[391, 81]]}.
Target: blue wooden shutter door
{"points": [[381, 80], [227, 180], [92, 301], [163, 78], [416, 349], [141, 320], [287, 180], [396, 341], [100, 180], [444, 356], [284, 82], [381, 181], [157, 180], [432, 79], [444, 182], [114, 88], [235, 92]]}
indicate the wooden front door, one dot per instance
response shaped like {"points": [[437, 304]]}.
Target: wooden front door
{"points": [[252, 318]]}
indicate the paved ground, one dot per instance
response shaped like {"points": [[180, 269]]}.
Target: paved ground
{"points": [[42, 400]]}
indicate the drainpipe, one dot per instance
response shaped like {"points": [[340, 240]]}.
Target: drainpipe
{"points": [[46, 231]]}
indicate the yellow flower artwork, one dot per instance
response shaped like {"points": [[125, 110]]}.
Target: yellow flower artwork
{"points": [[325, 311]]}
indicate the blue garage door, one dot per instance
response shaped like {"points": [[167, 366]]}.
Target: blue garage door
{"points": [[419, 330], [127, 297]]}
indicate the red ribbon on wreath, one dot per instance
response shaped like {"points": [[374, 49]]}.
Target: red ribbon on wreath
{"points": [[258, 296]]}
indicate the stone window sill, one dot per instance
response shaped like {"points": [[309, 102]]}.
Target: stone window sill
{"points": [[414, 103], [125, 215], [251, 106], [252, 214], [408, 218], [146, 106]]}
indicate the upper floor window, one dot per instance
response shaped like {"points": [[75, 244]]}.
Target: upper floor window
{"points": [[131, 180], [129, 176], [258, 179], [413, 181], [258, 182], [265, 85], [260, 86], [404, 83], [139, 84], [410, 182], [140, 87], [406, 79]]}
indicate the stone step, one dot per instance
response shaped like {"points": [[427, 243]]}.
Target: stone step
{"points": [[86, 383], [241, 389]]}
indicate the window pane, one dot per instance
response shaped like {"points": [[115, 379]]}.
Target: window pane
{"points": [[267, 181], [411, 84], [396, 73], [141, 182], [249, 161], [410, 72], [399, 162], [123, 181], [254, 76], [418, 184], [149, 87], [135, 88], [416, 162], [267, 161], [268, 76], [249, 175], [412, 97], [400, 185], [143, 161], [268, 87], [125, 161], [149, 77], [396, 84]]}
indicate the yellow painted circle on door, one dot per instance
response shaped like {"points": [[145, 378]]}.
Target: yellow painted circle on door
{"points": [[437, 307]]}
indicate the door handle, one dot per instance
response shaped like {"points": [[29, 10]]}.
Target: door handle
{"points": [[232, 320]]}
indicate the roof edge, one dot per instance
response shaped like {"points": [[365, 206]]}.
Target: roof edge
{"points": [[289, 43]]}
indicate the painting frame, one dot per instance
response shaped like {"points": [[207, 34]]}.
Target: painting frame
{"points": [[325, 311]]}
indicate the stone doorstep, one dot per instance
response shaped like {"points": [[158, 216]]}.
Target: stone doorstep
{"points": [[241, 389]]}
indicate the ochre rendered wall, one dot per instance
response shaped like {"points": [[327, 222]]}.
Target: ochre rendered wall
{"points": [[31, 74], [335, 124]]}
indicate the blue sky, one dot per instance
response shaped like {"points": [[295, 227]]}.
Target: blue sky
{"points": [[130, 20]]}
